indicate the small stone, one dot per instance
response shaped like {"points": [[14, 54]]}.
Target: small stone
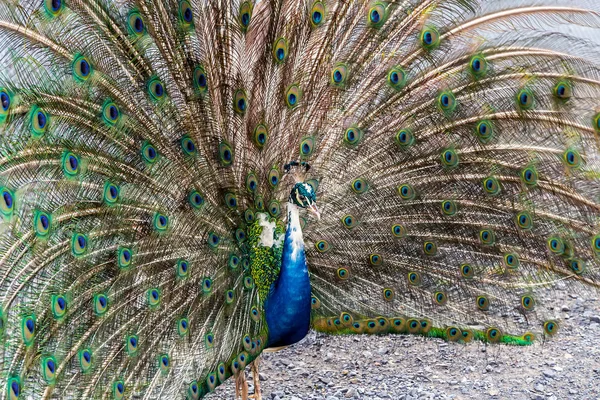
{"points": [[565, 308], [549, 373], [595, 318], [351, 393], [539, 387]]}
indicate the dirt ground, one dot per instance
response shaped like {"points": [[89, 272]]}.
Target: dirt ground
{"points": [[409, 368]]}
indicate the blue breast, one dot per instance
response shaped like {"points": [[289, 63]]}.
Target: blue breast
{"points": [[287, 308]]}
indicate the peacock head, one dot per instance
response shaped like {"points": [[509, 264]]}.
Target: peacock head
{"points": [[303, 195]]}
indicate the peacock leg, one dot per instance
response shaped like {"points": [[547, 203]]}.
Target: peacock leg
{"points": [[256, 378], [241, 386]]}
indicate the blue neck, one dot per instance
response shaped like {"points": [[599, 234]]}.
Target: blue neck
{"points": [[288, 306]]}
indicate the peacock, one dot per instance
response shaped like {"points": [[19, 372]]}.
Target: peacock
{"points": [[187, 183]]}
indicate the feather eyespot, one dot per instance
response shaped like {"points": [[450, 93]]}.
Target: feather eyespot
{"points": [[164, 363], [49, 366], [527, 302], [188, 146], [273, 177], [430, 38], [467, 271], [100, 304], [183, 326], [348, 221], [440, 298], [79, 244], [153, 298], [487, 237], [7, 202], [5, 104], [245, 15], [293, 95], [39, 122], [556, 245], [396, 78], [53, 7], [149, 153], [182, 269], [563, 91], [41, 223], [110, 113], [225, 154], [359, 186], [352, 136], [249, 216], [414, 278], [186, 15], [550, 327], [478, 66], [207, 285], [406, 192], [193, 390], [260, 136], [315, 303], [524, 220], [85, 360], [375, 260], [82, 69], [493, 335], [405, 138], [28, 329], [231, 201], [484, 131], [453, 334], [160, 222], [388, 294], [240, 102], [307, 147], [124, 257], [339, 75], [449, 207], [135, 24], [200, 80], [429, 248], [156, 89], [70, 164], [491, 186], [529, 176], [251, 182], [58, 306], [131, 345], [377, 16], [577, 266], [525, 99], [110, 193], [511, 261], [280, 50], [118, 389], [274, 208], [571, 158], [322, 246], [447, 102], [449, 158], [398, 231], [317, 14], [196, 200], [482, 303]]}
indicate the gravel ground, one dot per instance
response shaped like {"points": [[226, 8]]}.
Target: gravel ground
{"points": [[407, 367]]}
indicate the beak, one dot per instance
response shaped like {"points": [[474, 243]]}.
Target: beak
{"points": [[314, 210]]}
